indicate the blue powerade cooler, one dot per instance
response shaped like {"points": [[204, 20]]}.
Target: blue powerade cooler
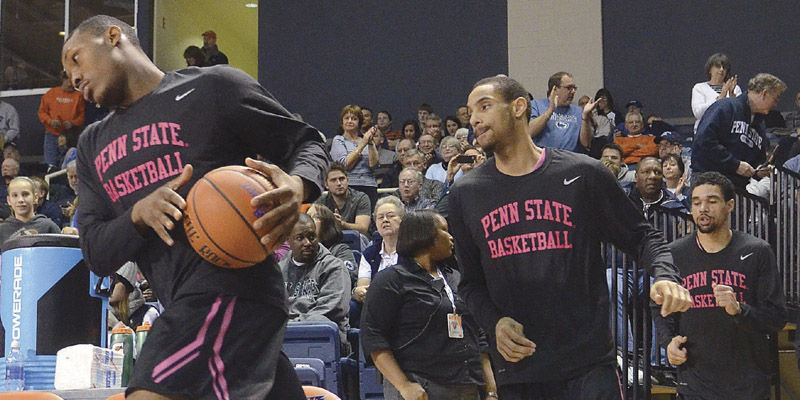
{"points": [[48, 300]]}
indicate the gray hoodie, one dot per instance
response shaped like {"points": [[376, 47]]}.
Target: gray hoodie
{"points": [[318, 291], [39, 223]]}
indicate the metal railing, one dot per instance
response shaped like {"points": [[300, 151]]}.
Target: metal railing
{"points": [[785, 200], [775, 220]]}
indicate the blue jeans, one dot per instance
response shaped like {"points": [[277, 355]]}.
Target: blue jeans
{"points": [[50, 149], [625, 277]]}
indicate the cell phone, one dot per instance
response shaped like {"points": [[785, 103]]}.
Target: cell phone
{"points": [[465, 159]]}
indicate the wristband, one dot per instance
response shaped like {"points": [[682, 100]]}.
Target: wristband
{"points": [[491, 394]]}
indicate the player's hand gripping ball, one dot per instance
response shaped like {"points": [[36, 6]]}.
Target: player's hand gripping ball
{"points": [[218, 218]]}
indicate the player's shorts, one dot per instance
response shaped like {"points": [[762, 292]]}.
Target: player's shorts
{"points": [[223, 347]]}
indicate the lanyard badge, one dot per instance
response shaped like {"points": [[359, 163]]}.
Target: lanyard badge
{"points": [[454, 328]]}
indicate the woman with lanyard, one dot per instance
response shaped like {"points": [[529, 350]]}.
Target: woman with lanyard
{"points": [[415, 326], [358, 154]]}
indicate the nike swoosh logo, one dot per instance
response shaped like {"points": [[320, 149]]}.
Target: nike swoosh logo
{"points": [[745, 256], [568, 182], [181, 96]]}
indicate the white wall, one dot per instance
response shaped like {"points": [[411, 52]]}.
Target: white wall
{"points": [[547, 36]]}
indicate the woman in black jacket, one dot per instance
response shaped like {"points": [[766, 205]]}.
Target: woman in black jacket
{"points": [[415, 326]]}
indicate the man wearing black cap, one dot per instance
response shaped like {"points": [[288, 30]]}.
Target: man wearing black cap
{"points": [[210, 49]]}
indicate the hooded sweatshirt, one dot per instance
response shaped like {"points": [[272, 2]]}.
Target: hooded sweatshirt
{"points": [[11, 227], [318, 291]]}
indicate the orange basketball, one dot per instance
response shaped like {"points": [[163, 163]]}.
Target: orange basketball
{"points": [[219, 218], [318, 393]]}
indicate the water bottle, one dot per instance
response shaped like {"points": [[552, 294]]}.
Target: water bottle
{"points": [[15, 369], [122, 340], [141, 336]]}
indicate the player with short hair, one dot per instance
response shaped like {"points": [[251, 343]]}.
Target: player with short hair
{"points": [[221, 332], [721, 345], [528, 225]]}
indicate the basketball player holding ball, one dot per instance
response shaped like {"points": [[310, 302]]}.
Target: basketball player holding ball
{"points": [[221, 333]]}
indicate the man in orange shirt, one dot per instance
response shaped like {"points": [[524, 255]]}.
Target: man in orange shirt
{"points": [[635, 146], [61, 112]]}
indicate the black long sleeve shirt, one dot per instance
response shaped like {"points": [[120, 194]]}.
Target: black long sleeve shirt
{"points": [[208, 118], [727, 357], [406, 312], [529, 249]]}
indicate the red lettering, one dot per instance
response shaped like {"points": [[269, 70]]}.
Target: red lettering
{"points": [[153, 137], [503, 214], [541, 238], [120, 186], [162, 172], [551, 243], [548, 213], [98, 165], [486, 222], [515, 243], [177, 155], [557, 207], [741, 278], [529, 210], [126, 178], [134, 179], [513, 212], [558, 241], [492, 248], [567, 211], [110, 191], [152, 171], [141, 170], [538, 204], [524, 240], [174, 129], [112, 152], [137, 141], [122, 146], [500, 251], [164, 127], [714, 278], [172, 171], [146, 133]]}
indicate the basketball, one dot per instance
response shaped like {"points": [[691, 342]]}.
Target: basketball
{"points": [[218, 219], [318, 393]]}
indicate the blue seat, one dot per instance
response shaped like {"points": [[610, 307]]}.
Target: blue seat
{"points": [[320, 340], [352, 238], [310, 371], [370, 381]]}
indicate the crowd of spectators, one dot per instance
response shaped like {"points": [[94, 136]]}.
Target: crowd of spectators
{"points": [[651, 159], [417, 162]]}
